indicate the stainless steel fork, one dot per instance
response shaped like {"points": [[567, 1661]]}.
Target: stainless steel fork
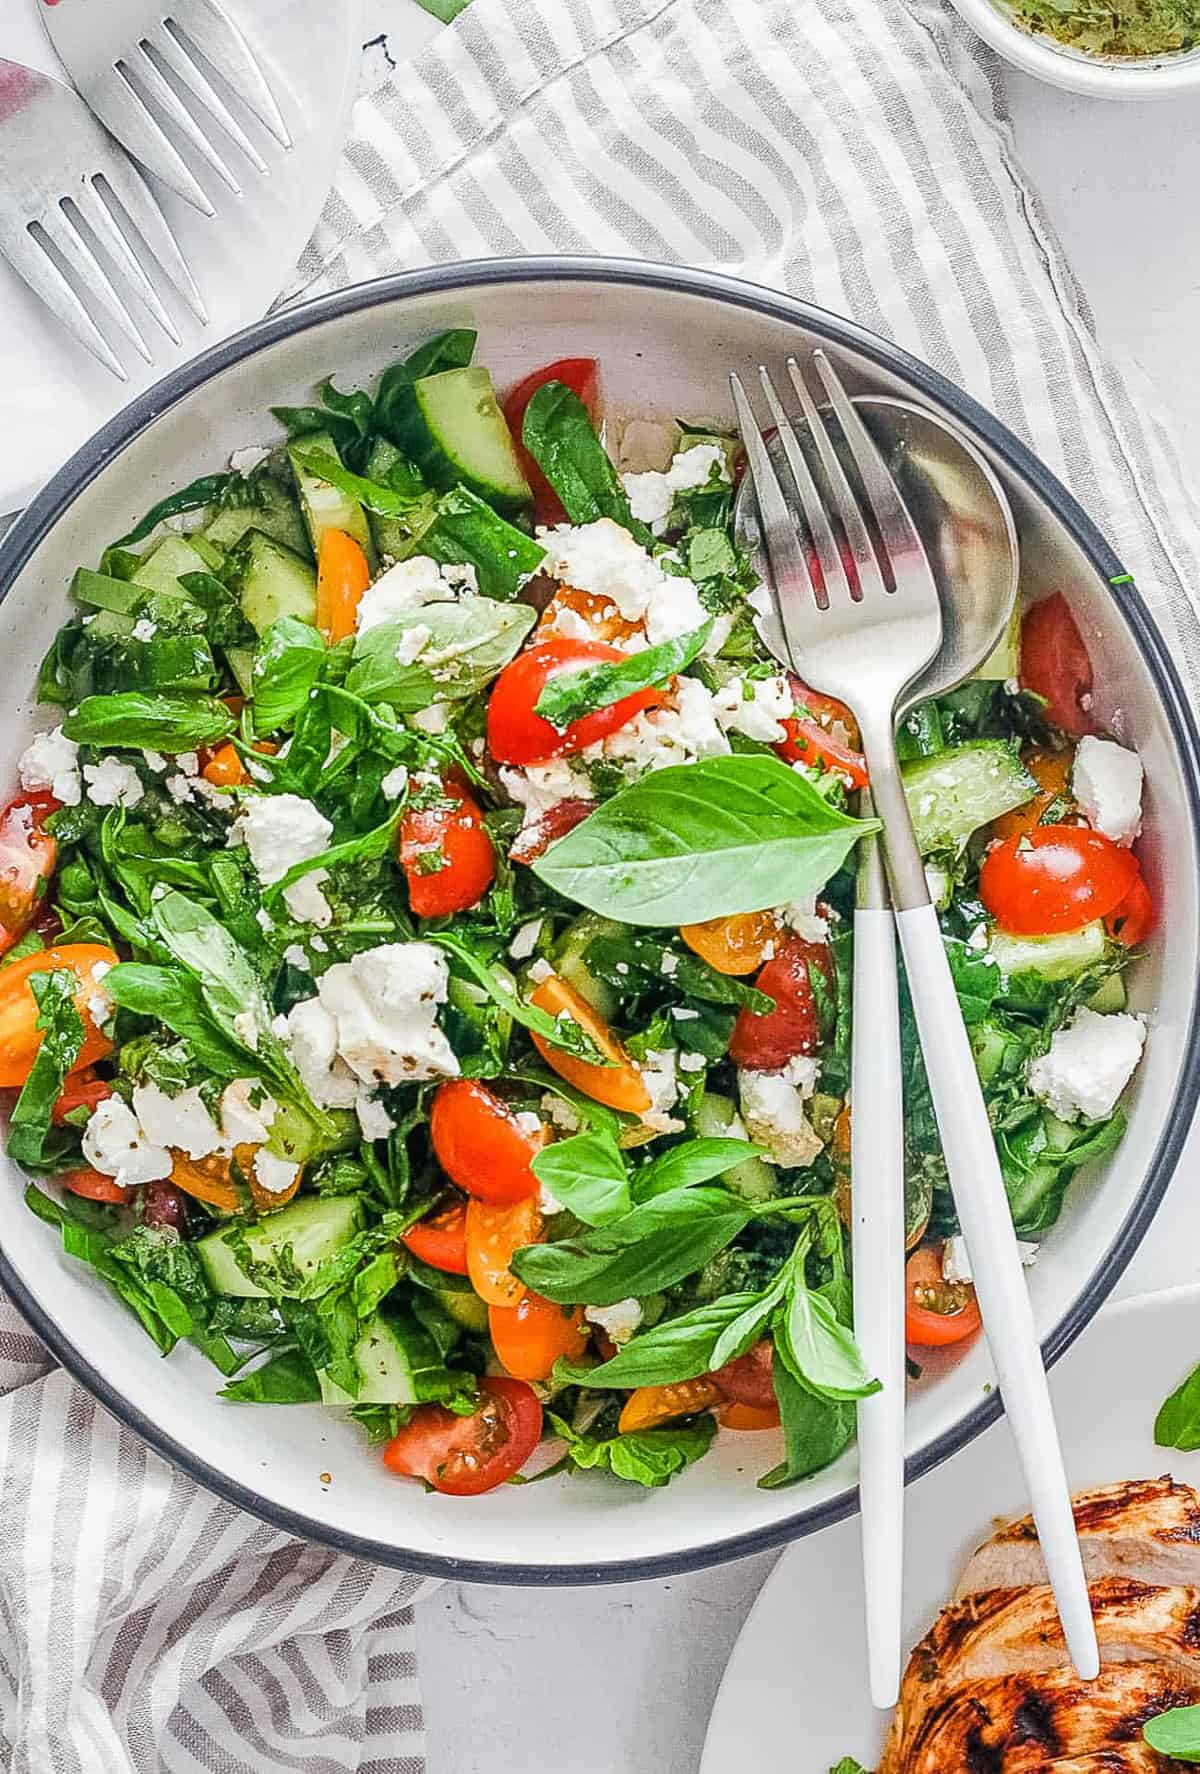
{"points": [[863, 629], [69, 201], [129, 57]]}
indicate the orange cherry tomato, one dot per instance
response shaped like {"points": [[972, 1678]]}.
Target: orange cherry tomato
{"points": [[764, 1043], [737, 944], [493, 1234], [440, 1239], [748, 1416], [27, 857], [225, 769], [937, 1312], [516, 734], [619, 1085], [581, 376], [649, 1405], [1055, 664], [20, 1037], [80, 1092], [95, 1187], [342, 576], [599, 613], [1056, 877], [446, 854], [529, 1337], [480, 1144], [1132, 920], [211, 1180], [1052, 772]]}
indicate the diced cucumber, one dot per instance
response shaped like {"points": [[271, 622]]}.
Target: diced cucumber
{"points": [[293, 1136], [212, 556], [465, 1307], [953, 794], [467, 438], [99, 592], [1005, 662], [1061, 956], [110, 622], [325, 507], [570, 962], [1109, 995], [272, 582], [241, 664], [312, 1230], [396, 536], [713, 1117], [167, 562], [391, 1355], [990, 1044], [279, 516]]}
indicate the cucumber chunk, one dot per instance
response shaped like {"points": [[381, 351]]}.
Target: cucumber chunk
{"points": [[1005, 662], [167, 562], [391, 1356], [952, 794], [293, 1136], [313, 1230], [272, 582], [465, 1308], [1061, 956], [713, 1118], [571, 964], [396, 536], [241, 663], [278, 516], [118, 596], [467, 438], [325, 507]]}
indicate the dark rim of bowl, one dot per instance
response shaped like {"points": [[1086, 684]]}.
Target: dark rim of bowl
{"points": [[58, 495]]}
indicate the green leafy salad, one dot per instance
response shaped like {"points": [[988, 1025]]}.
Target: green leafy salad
{"points": [[426, 930]]}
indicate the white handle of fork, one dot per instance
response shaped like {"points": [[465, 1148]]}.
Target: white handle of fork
{"points": [[983, 1211]]}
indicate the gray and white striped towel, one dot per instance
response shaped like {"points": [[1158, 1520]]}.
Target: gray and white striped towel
{"points": [[851, 151]]}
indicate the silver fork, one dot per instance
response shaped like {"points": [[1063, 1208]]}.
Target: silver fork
{"points": [[126, 56], [60, 210], [866, 642]]}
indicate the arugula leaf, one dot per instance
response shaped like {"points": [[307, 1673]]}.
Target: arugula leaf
{"points": [[1175, 1733], [704, 840], [820, 1352], [175, 999], [468, 644], [286, 1379], [288, 661], [62, 1037], [210, 489], [570, 695], [650, 1249], [676, 1349], [559, 435], [587, 1174], [144, 722], [815, 1430], [561, 1032], [649, 1457], [695, 1161], [1177, 1424]]}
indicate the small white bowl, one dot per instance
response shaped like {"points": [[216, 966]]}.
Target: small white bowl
{"points": [[1096, 76]]}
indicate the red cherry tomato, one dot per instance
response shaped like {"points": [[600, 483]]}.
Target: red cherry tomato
{"points": [[82, 1091], [465, 1456], [480, 1144], [1132, 920], [936, 1312], [95, 1187], [516, 735], [807, 742], [1055, 664], [1056, 877], [748, 1379], [764, 1043], [581, 375], [27, 858], [534, 840], [446, 854], [440, 1239]]}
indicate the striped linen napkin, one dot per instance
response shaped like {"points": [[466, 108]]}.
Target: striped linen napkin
{"points": [[854, 152]]}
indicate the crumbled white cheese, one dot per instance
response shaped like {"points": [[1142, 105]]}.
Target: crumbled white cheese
{"points": [[540, 787], [652, 495], [530, 1125], [312, 1040], [540, 971], [413, 643], [669, 964], [385, 1003], [245, 461], [406, 587], [658, 1075], [154, 761], [674, 608], [619, 1321], [978, 938], [604, 559], [560, 1113], [247, 1112], [1107, 783], [180, 787], [773, 1110], [435, 719], [296, 956], [263, 919], [247, 1026], [110, 783], [526, 939], [548, 1202], [307, 903], [181, 1122], [677, 732], [280, 831], [956, 1264], [1089, 1063], [692, 1062], [373, 1118], [756, 707], [802, 916], [116, 1146], [188, 762], [143, 629], [394, 783], [274, 1175]]}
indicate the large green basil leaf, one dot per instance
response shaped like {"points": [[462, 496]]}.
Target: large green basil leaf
{"points": [[587, 1174], [469, 643], [153, 723], [677, 1349], [287, 663], [651, 1248], [815, 1430]]}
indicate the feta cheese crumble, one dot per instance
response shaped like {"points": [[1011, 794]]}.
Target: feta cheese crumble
{"points": [[658, 1075], [406, 587], [652, 495], [110, 783], [802, 916], [247, 1112], [394, 783], [1107, 783], [956, 1264], [181, 1122], [756, 707], [1089, 1063], [604, 559], [526, 939], [274, 1175], [383, 1004], [143, 629], [279, 831], [773, 1110], [619, 1320], [116, 1146]]}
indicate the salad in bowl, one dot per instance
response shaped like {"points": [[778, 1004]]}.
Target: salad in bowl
{"points": [[426, 941]]}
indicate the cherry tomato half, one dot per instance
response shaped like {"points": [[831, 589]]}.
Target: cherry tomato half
{"points": [[736, 944], [95, 1187], [1132, 921], [27, 858], [1056, 877], [80, 1092], [534, 840], [493, 1235], [529, 1337], [1055, 664], [581, 376], [440, 1239], [465, 1456], [446, 855], [936, 1312], [807, 742], [517, 735], [764, 1043], [20, 1036], [748, 1380], [619, 1084], [480, 1144]]}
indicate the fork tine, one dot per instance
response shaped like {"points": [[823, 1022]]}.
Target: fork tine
{"points": [[147, 71], [789, 569], [128, 189], [123, 111], [218, 38], [48, 283], [96, 214], [896, 528], [166, 44], [832, 570], [66, 239], [870, 577]]}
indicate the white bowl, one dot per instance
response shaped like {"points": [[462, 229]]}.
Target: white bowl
{"points": [[1096, 76], [666, 338]]}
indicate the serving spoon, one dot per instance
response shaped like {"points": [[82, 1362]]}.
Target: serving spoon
{"points": [[967, 527]]}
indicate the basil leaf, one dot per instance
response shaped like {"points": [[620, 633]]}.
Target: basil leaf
{"points": [[208, 490], [650, 1249], [372, 495], [570, 695], [468, 644], [751, 1326], [649, 1457], [704, 840], [677, 1349], [710, 554], [1177, 1424], [174, 998], [286, 1379], [815, 1430], [560, 1032], [467, 532], [559, 435], [587, 1174], [288, 661], [62, 1037], [848, 1765], [820, 1352], [1175, 1733], [154, 723], [695, 1161]]}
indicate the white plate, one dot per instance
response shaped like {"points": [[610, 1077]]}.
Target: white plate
{"points": [[241, 257], [794, 1698]]}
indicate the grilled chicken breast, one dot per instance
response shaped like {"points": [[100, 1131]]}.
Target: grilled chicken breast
{"points": [[989, 1689]]}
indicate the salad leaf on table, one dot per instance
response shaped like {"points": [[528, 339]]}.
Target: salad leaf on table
{"points": [[1177, 1424]]}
